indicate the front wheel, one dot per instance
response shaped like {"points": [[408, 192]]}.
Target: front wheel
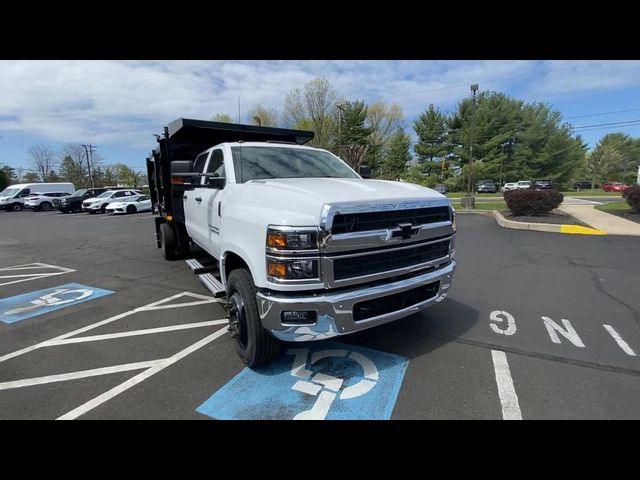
{"points": [[45, 206], [254, 344], [16, 207]]}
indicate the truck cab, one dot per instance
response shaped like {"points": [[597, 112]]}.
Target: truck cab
{"points": [[302, 247]]}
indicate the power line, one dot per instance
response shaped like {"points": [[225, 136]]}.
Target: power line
{"points": [[603, 113]]}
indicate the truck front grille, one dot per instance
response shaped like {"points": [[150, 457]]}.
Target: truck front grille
{"points": [[361, 222], [382, 261]]}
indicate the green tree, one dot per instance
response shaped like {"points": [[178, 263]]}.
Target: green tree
{"points": [[4, 181], [396, 155], [31, 177], [9, 173], [222, 118], [353, 129], [539, 144], [70, 171], [431, 127], [603, 160], [629, 149]]}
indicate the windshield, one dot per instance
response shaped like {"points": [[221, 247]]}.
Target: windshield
{"points": [[79, 193], [252, 163], [9, 192]]}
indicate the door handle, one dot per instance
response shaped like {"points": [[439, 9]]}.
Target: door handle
{"points": [[198, 199]]}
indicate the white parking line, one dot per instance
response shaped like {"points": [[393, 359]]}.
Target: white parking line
{"points": [[506, 391], [159, 304], [7, 272], [146, 331], [620, 341], [28, 382], [100, 399]]}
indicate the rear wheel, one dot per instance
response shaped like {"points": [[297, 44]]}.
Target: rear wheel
{"points": [[168, 242], [131, 209], [45, 206], [254, 344]]}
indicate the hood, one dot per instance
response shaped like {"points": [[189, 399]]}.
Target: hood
{"points": [[299, 201]]}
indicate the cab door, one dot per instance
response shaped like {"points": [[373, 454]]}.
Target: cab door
{"points": [[211, 195], [194, 213]]}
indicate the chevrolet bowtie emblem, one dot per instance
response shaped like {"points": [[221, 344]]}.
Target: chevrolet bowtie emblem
{"points": [[404, 231]]}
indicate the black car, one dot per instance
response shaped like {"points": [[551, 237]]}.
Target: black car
{"points": [[583, 185], [543, 185], [73, 203]]}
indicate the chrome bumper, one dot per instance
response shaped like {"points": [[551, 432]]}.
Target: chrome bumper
{"points": [[335, 310]]}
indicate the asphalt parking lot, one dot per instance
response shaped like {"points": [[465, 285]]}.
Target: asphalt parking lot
{"points": [[536, 326]]}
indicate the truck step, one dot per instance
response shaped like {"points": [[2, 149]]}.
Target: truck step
{"points": [[213, 285], [202, 267]]}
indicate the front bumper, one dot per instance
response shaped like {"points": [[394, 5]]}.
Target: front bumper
{"points": [[335, 310]]}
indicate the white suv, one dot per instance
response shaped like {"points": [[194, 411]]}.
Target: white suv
{"points": [[99, 203], [522, 184], [42, 201]]}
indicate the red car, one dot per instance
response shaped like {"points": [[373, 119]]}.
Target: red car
{"points": [[614, 187]]}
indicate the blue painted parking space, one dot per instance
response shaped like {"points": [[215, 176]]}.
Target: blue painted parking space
{"points": [[315, 381], [20, 307]]}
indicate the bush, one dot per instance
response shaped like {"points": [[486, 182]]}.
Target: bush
{"points": [[532, 202], [632, 194]]}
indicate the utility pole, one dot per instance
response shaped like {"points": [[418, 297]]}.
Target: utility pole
{"points": [[89, 151], [474, 89]]}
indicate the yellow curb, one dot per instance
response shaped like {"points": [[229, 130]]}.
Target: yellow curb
{"points": [[581, 230]]}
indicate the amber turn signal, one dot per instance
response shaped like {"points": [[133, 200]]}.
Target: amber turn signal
{"points": [[275, 240], [278, 270]]}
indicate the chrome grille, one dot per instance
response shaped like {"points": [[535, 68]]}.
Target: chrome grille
{"points": [[366, 221], [382, 261]]}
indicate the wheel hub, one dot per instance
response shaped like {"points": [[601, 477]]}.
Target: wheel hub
{"points": [[237, 320]]}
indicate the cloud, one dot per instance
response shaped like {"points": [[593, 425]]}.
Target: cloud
{"points": [[122, 103]]}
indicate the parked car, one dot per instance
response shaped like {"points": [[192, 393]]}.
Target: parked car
{"points": [[614, 187], [43, 201], [13, 197], [486, 186], [73, 203], [507, 187], [100, 203], [440, 188], [523, 184], [585, 185], [543, 185], [131, 205]]}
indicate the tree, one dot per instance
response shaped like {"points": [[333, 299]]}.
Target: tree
{"points": [[605, 158], [4, 181], [432, 128], [70, 171], [268, 116], [313, 106], [31, 177], [396, 155], [43, 159], [10, 173], [628, 148], [222, 118], [383, 120]]}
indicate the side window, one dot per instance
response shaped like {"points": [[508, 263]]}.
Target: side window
{"points": [[118, 195], [216, 164], [198, 165], [24, 192]]}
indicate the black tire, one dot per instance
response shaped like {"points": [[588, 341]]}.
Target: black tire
{"points": [[255, 345], [16, 207], [103, 208], [45, 206], [168, 242], [132, 209], [77, 209], [183, 243]]}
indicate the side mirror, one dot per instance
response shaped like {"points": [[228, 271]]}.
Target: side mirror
{"points": [[365, 171], [181, 166]]}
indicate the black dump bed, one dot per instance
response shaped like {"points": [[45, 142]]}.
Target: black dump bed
{"points": [[185, 138]]}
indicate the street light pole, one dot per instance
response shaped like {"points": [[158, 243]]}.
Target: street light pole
{"points": [[89, 151]]}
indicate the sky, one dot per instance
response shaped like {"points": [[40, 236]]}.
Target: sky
{"points": [[119, 105]]}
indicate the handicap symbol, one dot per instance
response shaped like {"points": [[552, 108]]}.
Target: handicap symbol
{"points": [[53, 299], [327, 387]]}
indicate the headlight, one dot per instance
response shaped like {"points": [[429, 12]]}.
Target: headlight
{"points": [[63, 202], [292, 269], [292, 238], [453, 219]]}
